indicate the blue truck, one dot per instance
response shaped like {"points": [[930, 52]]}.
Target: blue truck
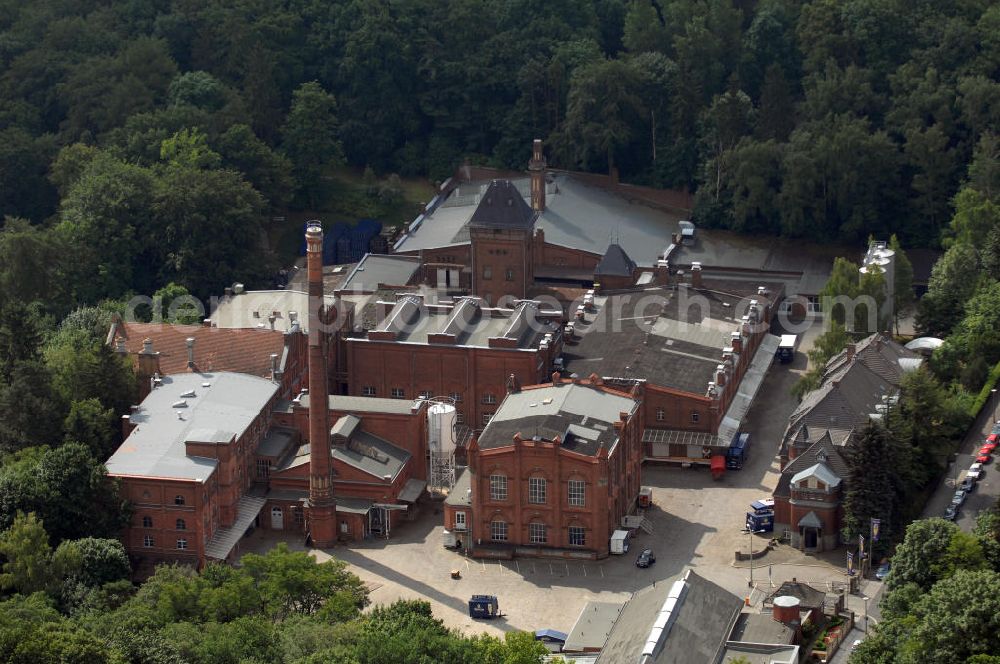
{"points": [[484, 606], [738, 452], [760, 518]]}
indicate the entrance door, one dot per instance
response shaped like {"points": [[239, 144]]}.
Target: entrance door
{"points": [[277, 518], [442, 278], [810, 538]]}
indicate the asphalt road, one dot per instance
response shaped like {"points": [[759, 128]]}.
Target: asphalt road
{"points": [[987, 490]]}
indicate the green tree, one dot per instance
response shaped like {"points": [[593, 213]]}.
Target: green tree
{"points": [[268, 171], [98, 561], [952, 282], [603, 110], [93, 425], [309, 138], [902, 286], [926, 556], [25, 546], [879, 469], [188, 148]]}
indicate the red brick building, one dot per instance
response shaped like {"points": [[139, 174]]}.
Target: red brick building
{"points": [[465, 351], [553, 473]]}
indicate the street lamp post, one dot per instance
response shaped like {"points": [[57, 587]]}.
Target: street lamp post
{"points": [[866, 614], [750, 534]]}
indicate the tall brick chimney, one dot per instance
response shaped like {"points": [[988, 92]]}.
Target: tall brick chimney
{"points": [[537, 168], [322, 505]]}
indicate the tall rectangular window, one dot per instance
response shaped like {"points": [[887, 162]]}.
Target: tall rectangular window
{"points": [[263, 468], [487, 272], [536, 490], [147, 541], [577, 493], [498, 487], [459, 520], [537, 533], [509, 274], [577, 536], [498, 531], [660, 415]]}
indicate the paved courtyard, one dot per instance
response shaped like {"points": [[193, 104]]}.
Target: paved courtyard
{"points": [[696, 521]]}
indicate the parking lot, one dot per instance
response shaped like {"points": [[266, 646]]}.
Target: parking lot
{"points": [[695, 522]]}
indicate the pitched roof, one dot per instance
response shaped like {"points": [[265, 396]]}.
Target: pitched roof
{"points": [[823, 451], [615, 263], [809, 597], [246, 351], [819, 471], [682, 619], [502, 206]]}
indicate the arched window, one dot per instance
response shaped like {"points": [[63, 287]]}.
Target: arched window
{"points": [[178, 500], [181, 525], [147, 522]]}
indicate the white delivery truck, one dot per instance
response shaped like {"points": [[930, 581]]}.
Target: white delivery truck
{"points": [[619, 542]]}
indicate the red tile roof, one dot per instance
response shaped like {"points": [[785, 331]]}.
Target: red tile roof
{"points": [[245, 351]]}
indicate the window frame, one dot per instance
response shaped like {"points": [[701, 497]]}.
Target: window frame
{"points": [[182, 544], [537, 490], [369, 391], [180, 524], [576, 495], [461, 524], [579, 531], [147, 522], [179, 500], [498, 487], [499, 531], [148, 542], [538, 533]]}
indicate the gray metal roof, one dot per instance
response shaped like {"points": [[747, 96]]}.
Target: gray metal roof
{"points": [[375, 269], [583, 416], [576, 215], [351, 404], [277, 442], [156, 447], [252, 309], [761, 628], [345, 426], [699, 623], [460, 494], [224, 539], [592, 627], [372, 455]]}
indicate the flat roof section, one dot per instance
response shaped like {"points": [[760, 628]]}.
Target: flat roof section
{"points": [[252, 309], [376, 269], [156, 447]]}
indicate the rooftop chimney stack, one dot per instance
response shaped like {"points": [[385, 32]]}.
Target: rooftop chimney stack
{"points": [[189, 342], [696, 274], [537, 168], [322, 505]]}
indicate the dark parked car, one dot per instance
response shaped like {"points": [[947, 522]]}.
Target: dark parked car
{"points": [[951, 513], [645, 559], [967, 484], [958, 498], [882, 571]]}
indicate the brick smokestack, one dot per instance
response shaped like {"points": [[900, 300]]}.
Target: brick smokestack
{"points": [[322, 505], [537, 168]]}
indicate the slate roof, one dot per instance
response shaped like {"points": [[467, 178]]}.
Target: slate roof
{"points": [[246, 351], [615, 263], [819, 471], [460, 492], [583, 417], [366, 452], [654, 335], [696, 632], [502, 206], [809, 597], [822, 451]]}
